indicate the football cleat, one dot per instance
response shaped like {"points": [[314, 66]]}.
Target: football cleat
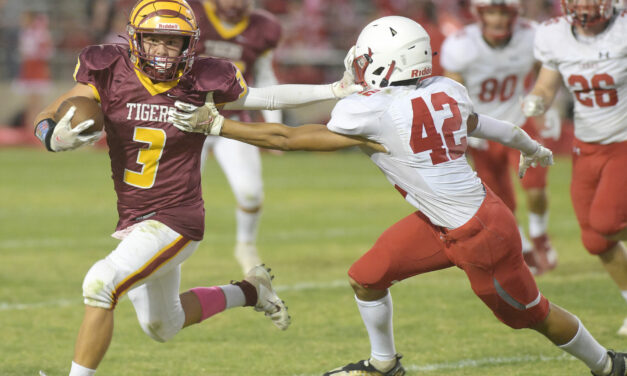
{"points": [[622, 331], [364, 368], [267, 299], [545, 253], [618, 364]]}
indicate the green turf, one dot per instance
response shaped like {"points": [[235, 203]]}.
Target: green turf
{"points": [[321, 212]]}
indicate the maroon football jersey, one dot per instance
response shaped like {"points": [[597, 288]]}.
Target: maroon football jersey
{"points": [[242, 43], [155, 166]]}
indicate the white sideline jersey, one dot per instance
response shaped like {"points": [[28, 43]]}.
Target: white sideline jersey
{"points": [[424, 131], [594, 69], [495, 77]]}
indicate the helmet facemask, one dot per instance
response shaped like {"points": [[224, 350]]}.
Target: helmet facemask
{"points": [[587, 13]]}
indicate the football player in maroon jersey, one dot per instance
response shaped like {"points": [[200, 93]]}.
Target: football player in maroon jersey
{"points": [[156, 173]]}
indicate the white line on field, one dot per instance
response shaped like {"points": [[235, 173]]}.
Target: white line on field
{"points": [[475, 363]]}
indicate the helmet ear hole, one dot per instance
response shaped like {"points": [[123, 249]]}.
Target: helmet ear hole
{"points": [[378, 71]]}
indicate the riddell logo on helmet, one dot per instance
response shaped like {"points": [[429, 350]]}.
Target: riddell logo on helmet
{"points": [[169, 26], [420, 73]]}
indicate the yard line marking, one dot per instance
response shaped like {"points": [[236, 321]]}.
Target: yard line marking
{"points": [[51, 303], [475, 363]]}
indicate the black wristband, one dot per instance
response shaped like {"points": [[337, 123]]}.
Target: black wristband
{"points": [[44, 130]]}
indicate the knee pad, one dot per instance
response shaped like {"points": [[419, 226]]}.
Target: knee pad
{"points": [[249, 197], [160, 330], [99, 285]]}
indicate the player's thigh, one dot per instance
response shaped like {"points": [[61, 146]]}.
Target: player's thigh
{"points": [[241, 164], [608, 212], [488, 249], [492, 166], [149, 251], [409, 247]]}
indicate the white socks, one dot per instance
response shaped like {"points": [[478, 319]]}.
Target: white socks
{"points": [[78, 370], [538, 224], [247, 225], [624, 293], [234, 296], [585, 348], [526, 244], [377, 317]]}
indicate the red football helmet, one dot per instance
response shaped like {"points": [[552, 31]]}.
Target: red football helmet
{"points": [[512, 7], [162, 17], [587, 12]]}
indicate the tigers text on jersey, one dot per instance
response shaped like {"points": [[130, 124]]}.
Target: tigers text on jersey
{"points": [[424, 130], [594, 69], [494, 77], [155, 166]]}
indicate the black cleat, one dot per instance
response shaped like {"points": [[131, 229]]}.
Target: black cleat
{"points": [[364, 368], [618, 364]]}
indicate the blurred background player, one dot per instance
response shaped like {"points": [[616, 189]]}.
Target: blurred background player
{"points": [[492, 58], [415, 131], [587, 50], [233, 30]]}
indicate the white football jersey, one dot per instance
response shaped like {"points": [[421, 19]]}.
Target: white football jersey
{"points": [[495, 77], [424, 130], [594, 69]]}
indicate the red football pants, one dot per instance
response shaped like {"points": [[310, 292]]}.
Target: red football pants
{"points": [[487, 248], [597, 191]]}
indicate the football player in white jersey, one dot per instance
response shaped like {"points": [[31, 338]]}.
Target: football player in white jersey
{"points": [[492, 58], [415, 130], [586, 49]]}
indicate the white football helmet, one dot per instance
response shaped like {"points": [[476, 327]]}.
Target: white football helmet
{"points": [[390, 49]]}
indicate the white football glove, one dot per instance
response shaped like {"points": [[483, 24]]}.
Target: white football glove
{"points": [[347, 86], [542, 157], [189, 118], [64, 137], [533, 105], [477, 143], [552, 124]]}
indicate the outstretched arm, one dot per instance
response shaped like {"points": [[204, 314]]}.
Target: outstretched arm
{"points": [[309, 137]]}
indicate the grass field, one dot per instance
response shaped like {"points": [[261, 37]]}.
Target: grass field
{"points": [[322, 211]]}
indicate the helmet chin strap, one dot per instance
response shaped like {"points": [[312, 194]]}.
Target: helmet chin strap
{"points": [[386, 81]]}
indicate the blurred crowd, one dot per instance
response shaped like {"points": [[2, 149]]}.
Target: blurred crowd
{"points": [[40, 39]]}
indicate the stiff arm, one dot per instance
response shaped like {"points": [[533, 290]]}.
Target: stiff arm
{"points": [[308, 137]]}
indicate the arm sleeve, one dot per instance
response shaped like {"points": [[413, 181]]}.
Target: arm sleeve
{"points": [[280, 96], [542, 49], [505, 133]]}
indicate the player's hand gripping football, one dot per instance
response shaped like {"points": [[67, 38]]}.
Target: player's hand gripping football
{"points": [[542, 157], [64, 137], [204, 119], [347, 86]]}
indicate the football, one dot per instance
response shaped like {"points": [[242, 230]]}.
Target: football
{"points": [[86, 108]]}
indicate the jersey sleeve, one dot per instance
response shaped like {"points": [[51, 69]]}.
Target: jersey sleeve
{"points": [[543, 49], [94, 67], [454, 56], [222, 78], [271, 28], [352, 117]]}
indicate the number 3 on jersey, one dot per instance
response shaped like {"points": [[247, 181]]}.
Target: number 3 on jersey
{"points": [[148, 157], [425, 136]]}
